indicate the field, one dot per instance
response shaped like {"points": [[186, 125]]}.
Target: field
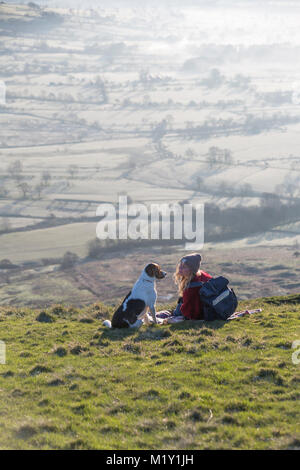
{"points": [[70, 383]]}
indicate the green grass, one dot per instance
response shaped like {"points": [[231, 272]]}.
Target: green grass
{"points": [[73, 384]]}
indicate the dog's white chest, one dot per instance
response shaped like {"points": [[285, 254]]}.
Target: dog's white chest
{"points": [[143, 290]]}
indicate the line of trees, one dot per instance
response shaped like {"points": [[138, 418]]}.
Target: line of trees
{"points": [[219, 224], [15, 172]]}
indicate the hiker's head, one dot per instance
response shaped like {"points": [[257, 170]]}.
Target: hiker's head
{"points": [[189, 264], [186, 268]]}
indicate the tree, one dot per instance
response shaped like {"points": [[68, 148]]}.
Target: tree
{"points": [[15, 170], [270, 201], [200, 185], [24, 188], [39, 189], [34, 5], [144, 76], [228, 157], [214, 80], [160, 130], [3, 193], [212, 156], [170, 121], [245, 190], [190, 152], [224, 188], [46, 177], [102, 87], [69, 260], [73, 170]]}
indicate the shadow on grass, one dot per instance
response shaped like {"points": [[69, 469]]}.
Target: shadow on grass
{"points": [[160, 331], [197, 325], [117, 334], [279, 300]]}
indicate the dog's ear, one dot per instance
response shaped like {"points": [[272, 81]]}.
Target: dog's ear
{"points": [[157, 272], [150, 269], [153, 270]]}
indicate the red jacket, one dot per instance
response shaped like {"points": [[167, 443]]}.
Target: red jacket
{"points": [[191, 307]]}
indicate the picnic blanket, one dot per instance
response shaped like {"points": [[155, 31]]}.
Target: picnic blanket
{"points": [[165, 316]]}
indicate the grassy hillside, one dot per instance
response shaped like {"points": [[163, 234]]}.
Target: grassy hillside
{"points": [[69, 383]]}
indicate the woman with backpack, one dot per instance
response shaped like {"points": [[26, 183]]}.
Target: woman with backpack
{"points": [[188, 270]]}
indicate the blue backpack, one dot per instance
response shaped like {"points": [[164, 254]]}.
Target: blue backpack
{"points": [[219, 301]]}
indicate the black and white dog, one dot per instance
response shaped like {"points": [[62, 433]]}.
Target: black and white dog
{"points": [[142, 297]]}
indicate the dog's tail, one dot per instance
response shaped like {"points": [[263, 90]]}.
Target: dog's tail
{"points": [[107, 323]]}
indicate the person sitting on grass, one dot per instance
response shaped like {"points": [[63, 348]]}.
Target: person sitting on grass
{"points": [[188, 270]]}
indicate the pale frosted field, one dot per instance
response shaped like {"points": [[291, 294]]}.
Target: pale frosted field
{"points": [[44, 243], [267, 239], [92, 90]]}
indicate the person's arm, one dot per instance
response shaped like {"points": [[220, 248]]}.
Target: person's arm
{"points": [[176, 311], [187, 305]]}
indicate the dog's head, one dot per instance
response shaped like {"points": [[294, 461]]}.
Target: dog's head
{"points": [[154, 270]]}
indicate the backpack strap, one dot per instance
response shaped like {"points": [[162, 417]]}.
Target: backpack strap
{"points": [[195, 284]]}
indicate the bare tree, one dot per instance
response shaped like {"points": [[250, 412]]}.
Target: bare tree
{"points": [[212, 156], [73, 170], [228, 157], [46, 177], [39, 188], [24, 188], [15, 170], [270, 200], [159, 130], [245, 190], [3, 193]]}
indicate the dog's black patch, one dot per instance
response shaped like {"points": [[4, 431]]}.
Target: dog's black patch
{"points": [[133, 308]]}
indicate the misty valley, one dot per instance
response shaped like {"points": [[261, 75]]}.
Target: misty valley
{"points": [[160, 102]]}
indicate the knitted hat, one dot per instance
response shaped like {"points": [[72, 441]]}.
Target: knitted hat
{"points": [[193, 261]]}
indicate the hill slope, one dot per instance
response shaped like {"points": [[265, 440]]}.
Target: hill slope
{"points": [[72, 384]]}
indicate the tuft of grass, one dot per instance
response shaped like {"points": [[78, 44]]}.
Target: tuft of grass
{"points": [[60, 351], [45, 317]]}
